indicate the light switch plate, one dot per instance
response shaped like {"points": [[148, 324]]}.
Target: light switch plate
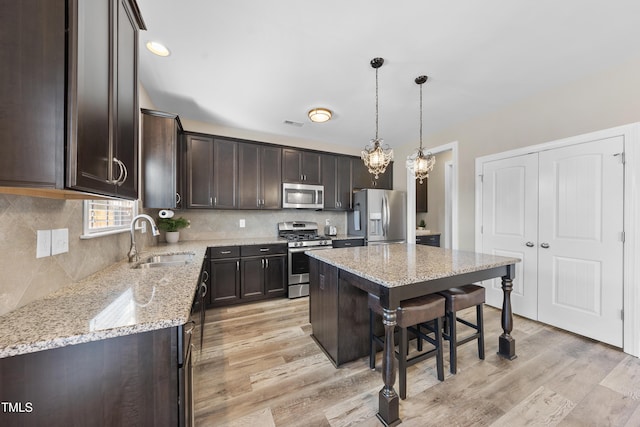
{"points": [[43, 243], [59, 241]]}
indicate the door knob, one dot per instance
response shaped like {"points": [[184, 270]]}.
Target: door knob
{"points": [[529, 244], [544, 245]]}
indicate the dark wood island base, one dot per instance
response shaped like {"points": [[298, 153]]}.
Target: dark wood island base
{"points": [[340, 279]]}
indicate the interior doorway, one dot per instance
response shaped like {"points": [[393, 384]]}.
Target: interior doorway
{"points": [[449, 223]]}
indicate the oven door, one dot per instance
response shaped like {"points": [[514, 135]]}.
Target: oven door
{"points": [[299, 271]]}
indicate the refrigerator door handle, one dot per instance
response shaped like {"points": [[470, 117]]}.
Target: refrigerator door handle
{"points": [[385, 214]]}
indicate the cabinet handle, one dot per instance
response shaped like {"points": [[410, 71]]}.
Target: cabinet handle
{"points": [[211, 201], [225, 252], [347, 244], [544, 245], [124, 178], [193, 326], [178, 199], [264, 249], [238, 265], [267, 261], [262, 262], [215, 201], [205, 276], [206, 289], [529, 244], [120, 172]]}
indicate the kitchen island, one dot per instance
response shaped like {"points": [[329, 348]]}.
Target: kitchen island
{"points": [[394, 272]]}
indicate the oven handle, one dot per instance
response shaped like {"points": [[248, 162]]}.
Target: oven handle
{"points": [[309, 248]]}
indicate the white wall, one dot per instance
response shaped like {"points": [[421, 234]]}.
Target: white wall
{"points": [[607, 99]]}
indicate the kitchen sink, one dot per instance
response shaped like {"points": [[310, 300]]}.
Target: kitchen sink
{"points": [[166, 260]]}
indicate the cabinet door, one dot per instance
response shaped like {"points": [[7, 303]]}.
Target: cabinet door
{"points": [[252, 278], [248, 176], [363, 179], [32, 66], [343, 182], [160, 133], [91, 53], [299, 166], [225, 174], [199, 172], [329, 176], [275, 275], [421, 196], [271, 175], [126, 88], [225, 281]]}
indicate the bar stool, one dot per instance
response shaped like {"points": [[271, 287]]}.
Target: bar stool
{"points": [[458, 299], [414, 312]]}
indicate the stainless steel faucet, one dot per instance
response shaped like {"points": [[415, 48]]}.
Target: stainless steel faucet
{"points": [[133, 252]]}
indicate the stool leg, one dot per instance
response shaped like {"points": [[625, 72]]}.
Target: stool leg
{"points": [[480, 323], [453, 342], [402, 362], [419, 338], [439, 358], [372, 343]]}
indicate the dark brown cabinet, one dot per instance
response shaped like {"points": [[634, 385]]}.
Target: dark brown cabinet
{"points": [[363, 179], [246, 273], [224, 275], [199, 174], [430, 240], [421, 196], [161, 165], [336, 179], [301, 166], [259, 176], [338, 314], [70, 95], [347, 243], [225, 173], [102, 98], [263, 271]]}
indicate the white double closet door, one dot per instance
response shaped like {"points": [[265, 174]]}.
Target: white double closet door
{"points": [[561, 212]]}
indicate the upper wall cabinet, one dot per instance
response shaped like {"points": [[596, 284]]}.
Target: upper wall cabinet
{"points": [[336, 179], [363, 179], [199, 174], [301, 166], [161, 160], [259, 176], [78, 91], [225, 174], [421, 196]]}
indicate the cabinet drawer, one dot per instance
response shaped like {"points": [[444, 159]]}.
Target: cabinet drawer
{"points": [[428, 240], [217, 252], [347, 243], [262, 250]]}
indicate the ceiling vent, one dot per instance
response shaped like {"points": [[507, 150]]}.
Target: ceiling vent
{"points": [[292, 123]]}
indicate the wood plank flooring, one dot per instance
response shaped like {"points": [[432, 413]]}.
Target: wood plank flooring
{"points": [[259, 367]]}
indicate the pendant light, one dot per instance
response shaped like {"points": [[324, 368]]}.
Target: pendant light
{"points": [[420, 163], [376, 155]]}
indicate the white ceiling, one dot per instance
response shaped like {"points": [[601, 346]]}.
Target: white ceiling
{"points": [[252, 64]]}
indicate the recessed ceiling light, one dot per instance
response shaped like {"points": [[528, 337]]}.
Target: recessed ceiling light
{"points": [[320, 115], [158, 48]]}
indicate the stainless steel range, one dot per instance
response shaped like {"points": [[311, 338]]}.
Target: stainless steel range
{"points": [[301, 236]]}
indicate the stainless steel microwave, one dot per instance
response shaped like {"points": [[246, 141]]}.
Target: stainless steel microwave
{"points": [[302, 196]]}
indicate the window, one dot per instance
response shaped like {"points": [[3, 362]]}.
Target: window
{"points": [[103, 217]]}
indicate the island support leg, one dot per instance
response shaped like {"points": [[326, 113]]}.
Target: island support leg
{"points": [[388, 401], [506, 343]]}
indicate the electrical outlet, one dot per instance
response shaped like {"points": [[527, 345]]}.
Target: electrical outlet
{"points": [[242, 223], [327, 222], [43, 243], [59, 241]]}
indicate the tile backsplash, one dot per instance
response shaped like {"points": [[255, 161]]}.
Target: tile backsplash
{"points": [[25, 278]]}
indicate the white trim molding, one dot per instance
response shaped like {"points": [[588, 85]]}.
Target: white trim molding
{"points": [[631, 274]]}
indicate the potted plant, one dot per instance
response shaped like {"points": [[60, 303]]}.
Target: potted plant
{"points": [[422, 225], [172, 227]]}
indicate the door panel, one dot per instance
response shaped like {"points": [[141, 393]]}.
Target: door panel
{"points": [[509, 213], [581, 221]]}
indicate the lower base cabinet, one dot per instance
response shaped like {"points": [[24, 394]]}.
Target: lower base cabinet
{"points": [[133, 380], [247, 273], [338, 313], [430, 240]]}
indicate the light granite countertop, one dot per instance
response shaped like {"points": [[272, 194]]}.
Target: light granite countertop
{"points": [[119, 300], [402, 264]]}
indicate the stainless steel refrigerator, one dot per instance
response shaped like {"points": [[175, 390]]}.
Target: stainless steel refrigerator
{"points": [[380, 216]]}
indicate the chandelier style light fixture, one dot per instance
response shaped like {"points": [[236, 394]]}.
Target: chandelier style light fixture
{"points": [[420, 163], [376, 155]]}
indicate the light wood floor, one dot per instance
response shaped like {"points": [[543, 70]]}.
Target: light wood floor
{"points": [[259, 367]]}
